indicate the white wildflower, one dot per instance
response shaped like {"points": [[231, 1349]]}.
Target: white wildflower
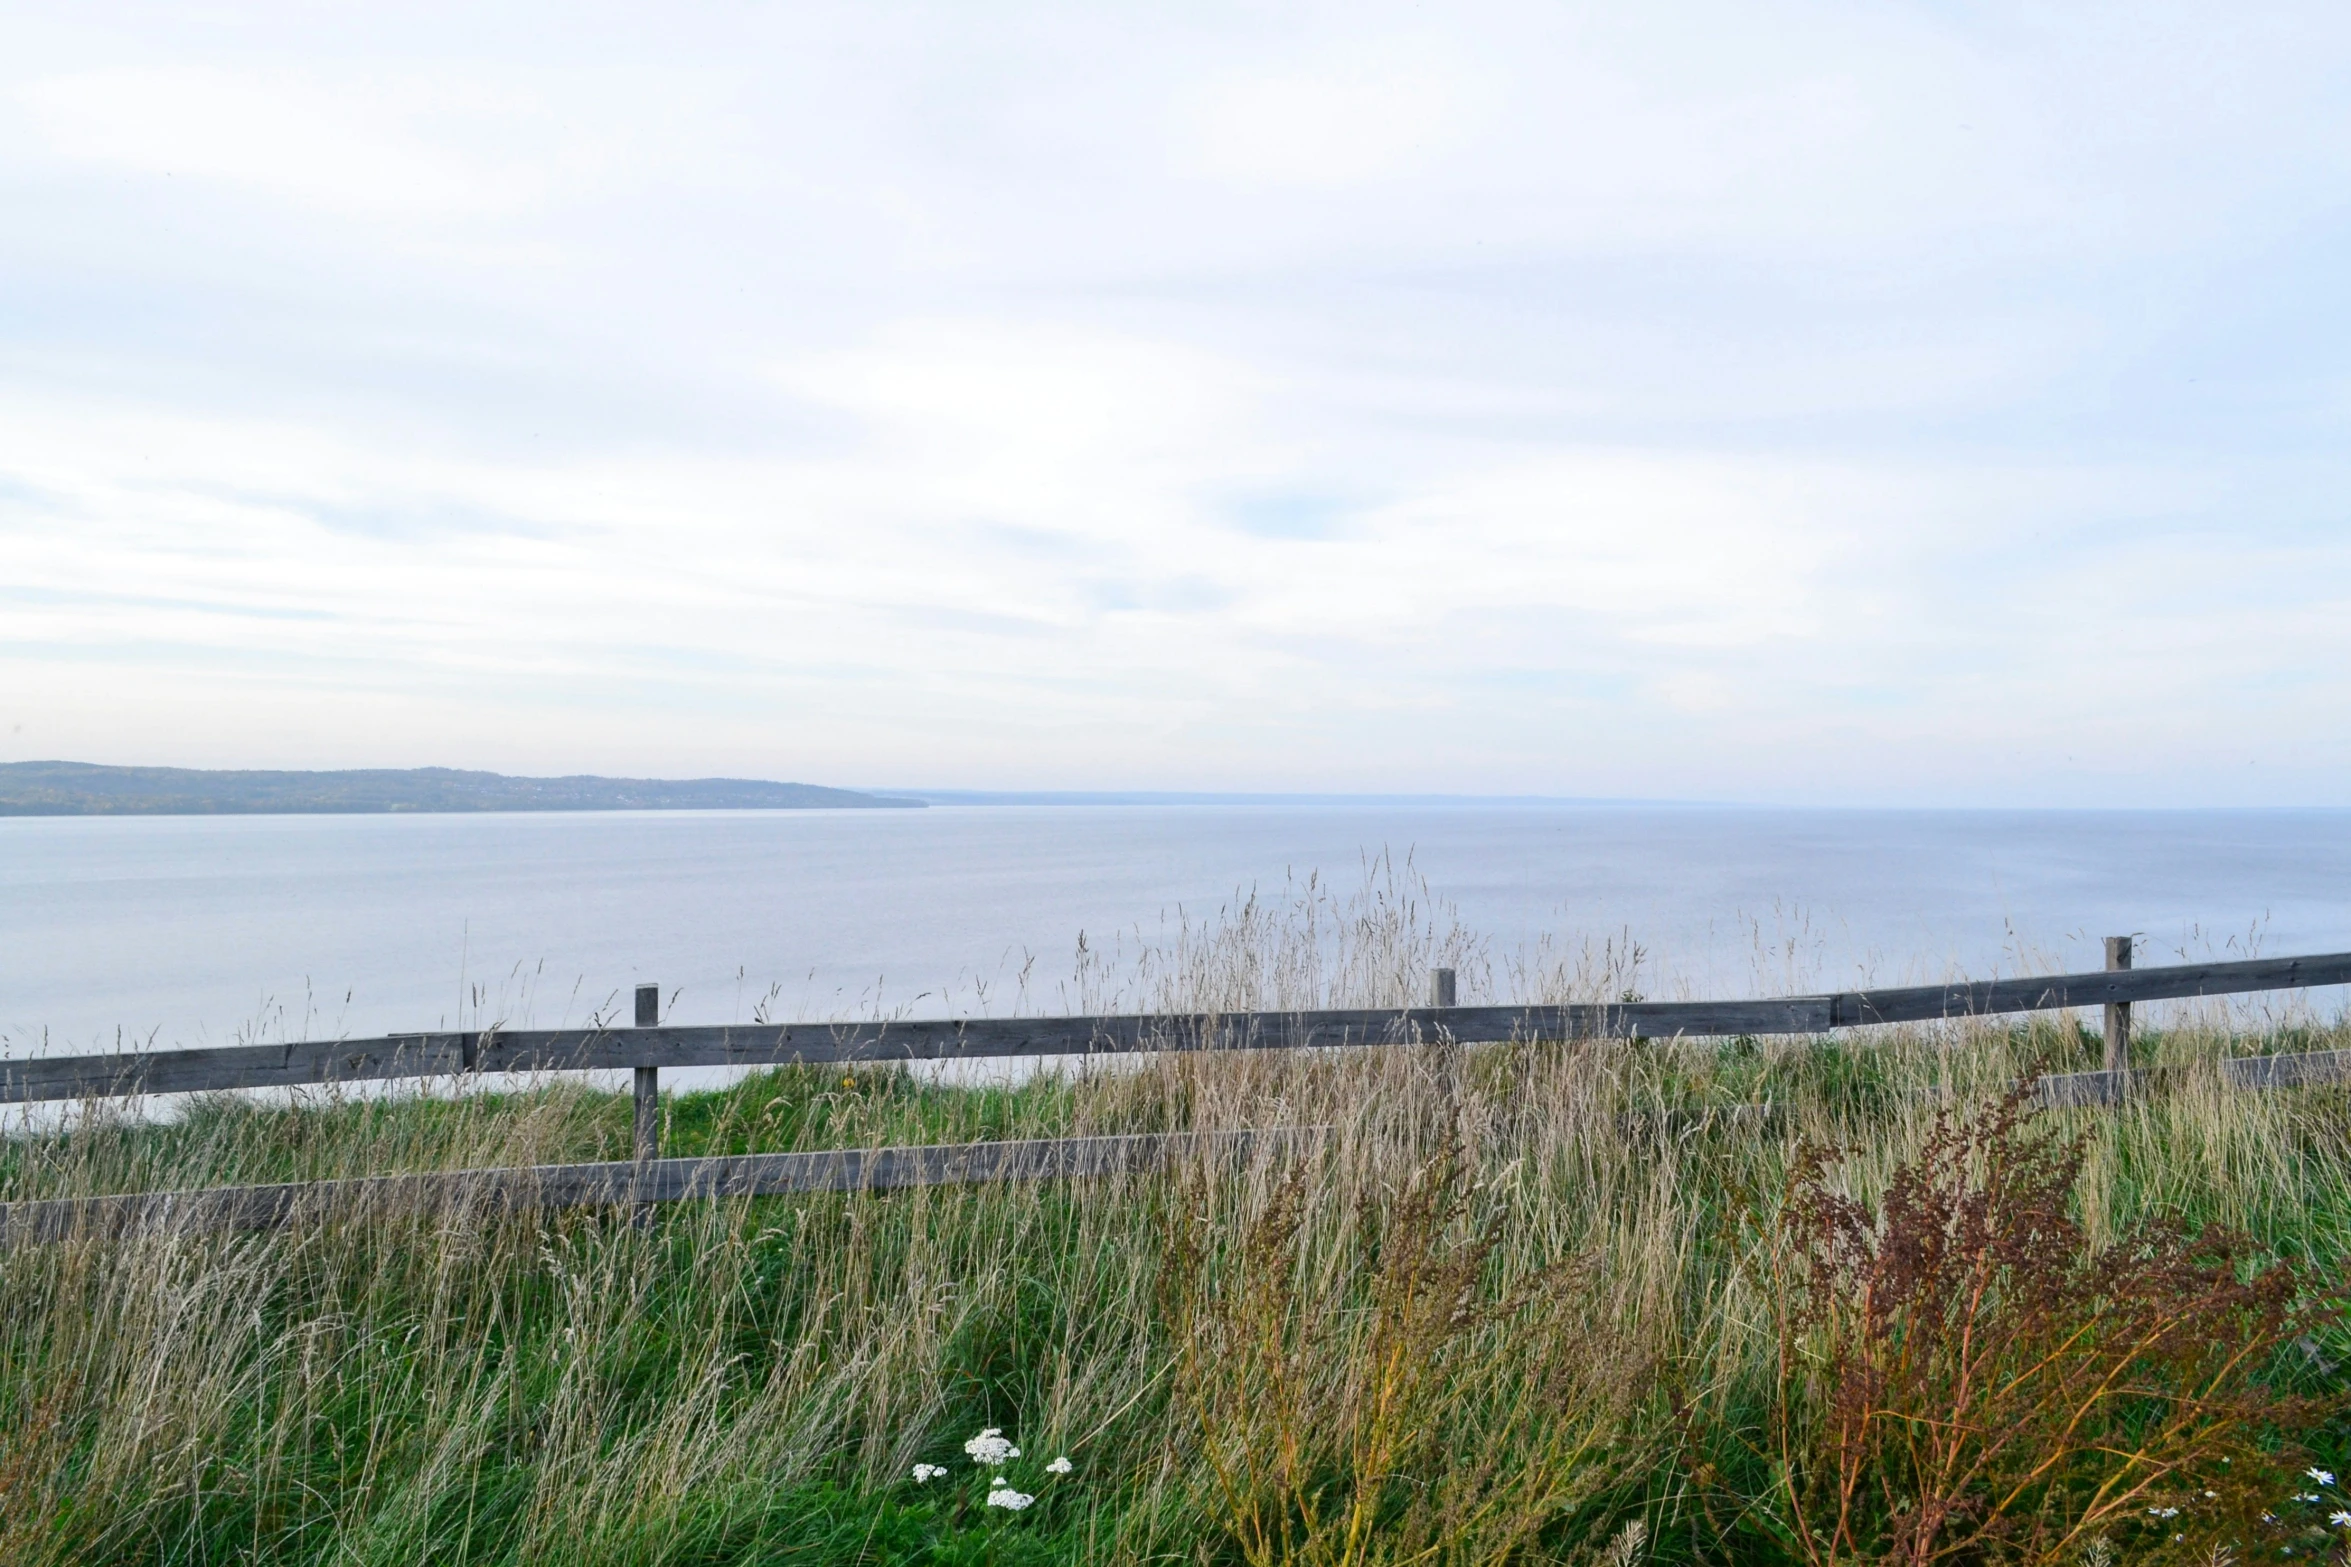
{"points": [[2304, 1496], [990, 1447], [2163, 1512], [1060, 1466], [1010, 1500], [2340, 1519], [924, 1474], [2322, 1476]]}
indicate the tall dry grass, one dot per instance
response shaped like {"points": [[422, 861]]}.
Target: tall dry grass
{"points": [[1527, 1305]]}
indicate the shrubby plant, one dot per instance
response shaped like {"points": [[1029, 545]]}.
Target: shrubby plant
{"points": [[1963, 1375]]}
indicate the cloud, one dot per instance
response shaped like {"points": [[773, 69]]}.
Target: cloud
{"points": [[348, 148], [1360, 114], [1735, 404]]}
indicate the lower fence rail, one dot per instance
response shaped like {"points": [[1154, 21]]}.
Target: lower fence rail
{"points": [[2306, 1069], [625, 1184]]}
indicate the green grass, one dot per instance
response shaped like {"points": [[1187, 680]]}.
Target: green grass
{"points": [[750, 1381]]}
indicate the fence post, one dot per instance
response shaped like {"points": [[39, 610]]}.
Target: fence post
{"points": [[648, 1079], [1448, 1052], [2118, 1013]]}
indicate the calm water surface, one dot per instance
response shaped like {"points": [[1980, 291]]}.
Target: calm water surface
{"points": [[194, 930]]}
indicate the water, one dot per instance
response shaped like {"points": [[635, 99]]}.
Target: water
{"points": [[209, 930]]}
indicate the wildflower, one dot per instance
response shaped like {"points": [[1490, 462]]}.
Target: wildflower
{"points": [[2322, 1476], [990, 1447], [2163, 1512], [2340, 1519], [1007, 1498], [2301, 1496], [924, 1474], [1060, 1466]]}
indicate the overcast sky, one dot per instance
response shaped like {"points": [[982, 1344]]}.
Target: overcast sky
{"points": [[1747, 402]]}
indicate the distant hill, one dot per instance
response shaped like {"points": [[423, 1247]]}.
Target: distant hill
{"points": [[85, 789]]}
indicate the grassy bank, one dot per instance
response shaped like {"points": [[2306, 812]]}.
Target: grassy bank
{"points": [[1618, 1303], [1518, 1325]]}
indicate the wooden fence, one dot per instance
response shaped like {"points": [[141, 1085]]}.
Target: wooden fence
{"points": [[650, 1046]]}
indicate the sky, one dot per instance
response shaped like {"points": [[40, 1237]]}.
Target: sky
{"points": [[1815, 404]]}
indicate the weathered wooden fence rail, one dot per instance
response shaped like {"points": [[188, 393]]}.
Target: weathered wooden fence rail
{"points": [[653, 1046], [623, 1183], [649, 1047]]}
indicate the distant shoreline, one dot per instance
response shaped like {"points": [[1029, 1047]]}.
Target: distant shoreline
{"points": [[90, 789], [63, 789], [1116, 797]]}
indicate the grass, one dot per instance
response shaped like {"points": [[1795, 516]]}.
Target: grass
{"points": [[1535, 1305]]}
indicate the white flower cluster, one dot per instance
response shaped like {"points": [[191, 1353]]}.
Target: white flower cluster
{"points": [[991, 1448]]}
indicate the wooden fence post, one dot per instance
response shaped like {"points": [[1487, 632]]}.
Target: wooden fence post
{"points": [[1441, 994], [2118, 1013], [648, 1079]]}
